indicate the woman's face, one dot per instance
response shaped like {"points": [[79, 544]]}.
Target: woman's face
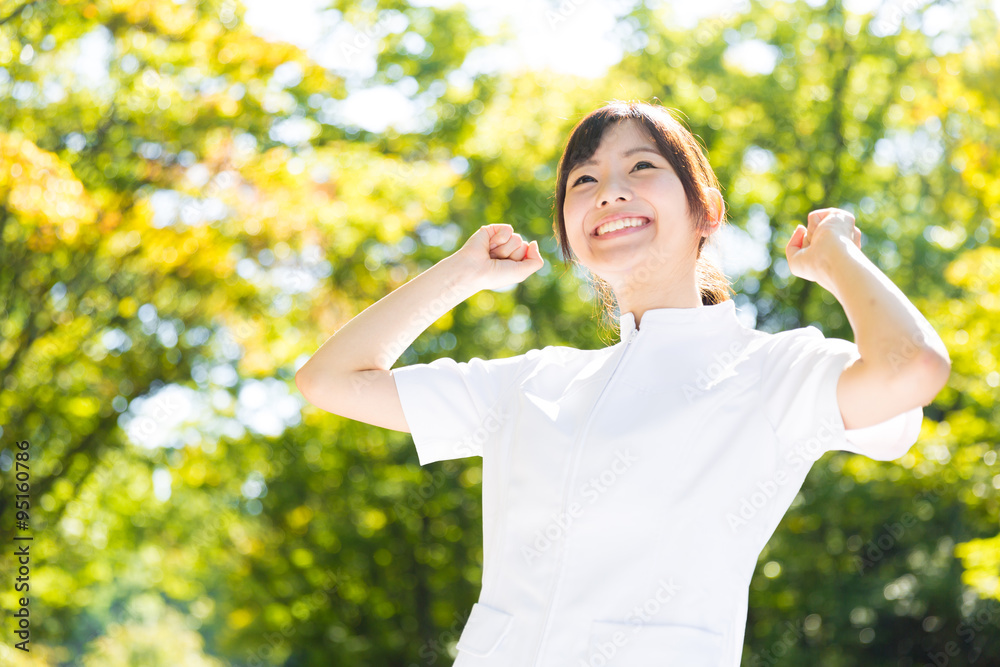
{"points": [[641, 184]]}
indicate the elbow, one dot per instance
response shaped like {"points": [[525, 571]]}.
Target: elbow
{"points": [[931, 371], [302, 383], [937, 365]]}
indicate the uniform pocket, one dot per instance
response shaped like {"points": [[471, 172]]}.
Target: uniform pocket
{"points": [[484, 630], [613, 644]]}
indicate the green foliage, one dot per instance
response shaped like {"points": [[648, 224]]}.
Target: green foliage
{"points": [[320, 540]]}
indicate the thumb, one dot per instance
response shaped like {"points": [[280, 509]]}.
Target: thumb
{"points": [[532, 259], [795, 243], [797, 236]]}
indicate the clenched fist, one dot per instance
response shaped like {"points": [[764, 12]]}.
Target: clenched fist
{"points": [[496, 257]]}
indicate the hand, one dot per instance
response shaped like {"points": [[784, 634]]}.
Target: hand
{"points": [[810, 250], [496, 257]]}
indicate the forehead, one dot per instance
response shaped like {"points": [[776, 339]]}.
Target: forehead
{"points": [[629, 129], [620, 140]]}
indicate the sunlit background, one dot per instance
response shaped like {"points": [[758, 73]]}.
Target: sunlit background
{"points": [[195, 195]]}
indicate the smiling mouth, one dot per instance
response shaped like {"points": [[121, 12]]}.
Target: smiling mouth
{"points": [[621, 227]]}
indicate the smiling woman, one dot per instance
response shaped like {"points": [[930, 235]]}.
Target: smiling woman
{"points": [[662, 178], [628, 491]]}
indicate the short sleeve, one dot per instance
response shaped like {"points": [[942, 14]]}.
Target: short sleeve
{"points": [[455, 408], [800, 377]]}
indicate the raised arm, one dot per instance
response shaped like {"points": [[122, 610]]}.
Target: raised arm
{"points": [[350, 373], [903, 362]]}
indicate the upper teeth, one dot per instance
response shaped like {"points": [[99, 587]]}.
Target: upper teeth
{"points": [[620, 223]]}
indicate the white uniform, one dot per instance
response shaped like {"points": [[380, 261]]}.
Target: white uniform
{"points": [[628, 491]]}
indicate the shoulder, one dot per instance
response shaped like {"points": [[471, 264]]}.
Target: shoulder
{"points": [[558, 356], [794, 354], [563, 352], [553, 369], [800, 338], [779, 350], [519, 365]]}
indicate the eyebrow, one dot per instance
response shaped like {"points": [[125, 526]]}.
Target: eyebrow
{"points": [[631, 151]]}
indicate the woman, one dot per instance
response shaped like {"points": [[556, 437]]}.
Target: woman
{"points": [[628, 491]]}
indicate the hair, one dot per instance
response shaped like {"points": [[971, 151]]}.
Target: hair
{"points": [[680, 148]]}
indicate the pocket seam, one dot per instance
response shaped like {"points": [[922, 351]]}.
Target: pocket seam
{"points": [[484, 621], [703, 638]]}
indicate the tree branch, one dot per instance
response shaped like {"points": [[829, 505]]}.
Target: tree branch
{"points": [[18, 11]]}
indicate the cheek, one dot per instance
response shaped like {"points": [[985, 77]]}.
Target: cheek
{"points": [[574, 233], [572, 203], [573, 214], [575, 237], [662, 191]]}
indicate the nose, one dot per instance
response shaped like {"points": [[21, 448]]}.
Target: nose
{"points": [[613, 191]]}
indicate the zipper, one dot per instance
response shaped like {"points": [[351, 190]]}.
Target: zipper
{"points": [[569, 485]]}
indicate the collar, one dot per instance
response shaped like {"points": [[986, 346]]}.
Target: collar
{"points": [[662, 319]]}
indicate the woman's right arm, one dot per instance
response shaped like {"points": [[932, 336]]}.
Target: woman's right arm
{"points": [[350, 374]]}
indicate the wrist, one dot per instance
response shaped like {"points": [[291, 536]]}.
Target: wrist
{"points": [[460, 275], [840, 255]]}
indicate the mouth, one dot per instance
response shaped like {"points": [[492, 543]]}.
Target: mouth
{"points": [[621, 227]]}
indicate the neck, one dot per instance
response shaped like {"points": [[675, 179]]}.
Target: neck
{"points": [[671, 282], [681, 323], [683, 294]]}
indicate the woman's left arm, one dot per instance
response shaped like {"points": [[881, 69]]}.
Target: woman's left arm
{"points": [[903, 361]]}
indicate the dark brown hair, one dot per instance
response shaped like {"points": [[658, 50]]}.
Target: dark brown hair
{"points": [[680, 148]]}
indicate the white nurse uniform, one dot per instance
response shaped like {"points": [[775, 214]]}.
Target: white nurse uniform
{"points": [[628, 491]]}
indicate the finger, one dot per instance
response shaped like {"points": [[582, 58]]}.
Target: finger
{"points": [[798, 236], [794, 245], [519, 253], [846, 216], [505, 249], [499, 234], [816, 217], [535, 253], [790, 252], [497, 239], [857, 237]]}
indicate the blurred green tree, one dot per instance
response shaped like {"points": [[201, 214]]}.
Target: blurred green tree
{"points": [[181, 225]]}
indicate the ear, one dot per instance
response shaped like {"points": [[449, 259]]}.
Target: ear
{"points": [[716, 210]]}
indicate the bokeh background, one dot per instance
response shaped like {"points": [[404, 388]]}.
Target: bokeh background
{"points": [[195, 195]]}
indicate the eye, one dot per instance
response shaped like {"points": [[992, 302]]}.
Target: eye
{"points": [[645, 162]]}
